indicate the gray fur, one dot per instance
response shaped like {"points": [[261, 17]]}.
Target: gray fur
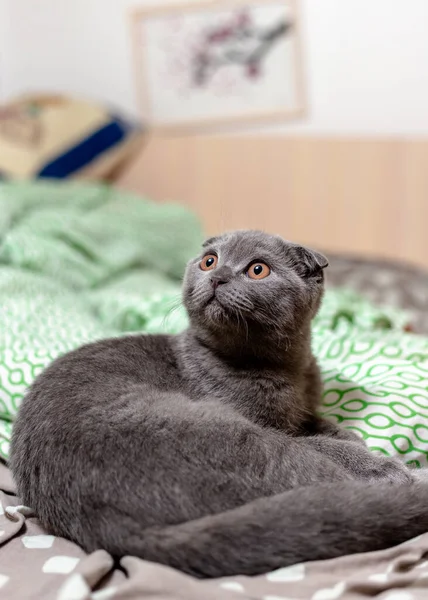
{"points": [[203, 451]]}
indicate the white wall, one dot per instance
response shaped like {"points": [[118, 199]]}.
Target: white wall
{"points": [[367, 60]]}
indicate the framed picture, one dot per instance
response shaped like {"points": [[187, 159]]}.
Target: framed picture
{"points": [[218, 62]]}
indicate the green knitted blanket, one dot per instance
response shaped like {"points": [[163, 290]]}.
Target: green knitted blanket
{"points": [[80, 263]]}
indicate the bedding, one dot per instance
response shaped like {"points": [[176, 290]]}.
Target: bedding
{"points": [[384, 282], [34, 564], [80, 263]]}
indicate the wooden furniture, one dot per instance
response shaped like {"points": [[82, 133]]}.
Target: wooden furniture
{"points": [[361, 196]]}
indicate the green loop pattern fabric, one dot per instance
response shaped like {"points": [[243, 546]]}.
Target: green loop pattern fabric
{"points": [[375, 375], [79, 263]]}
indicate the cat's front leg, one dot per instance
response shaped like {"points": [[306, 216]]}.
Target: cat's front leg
{"points": [[359, 462], [320, 426]]}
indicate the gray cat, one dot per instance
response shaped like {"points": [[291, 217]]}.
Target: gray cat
{"points": [[203, 451]]}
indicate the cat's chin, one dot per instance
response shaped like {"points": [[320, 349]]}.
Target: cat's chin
{"points": [[215, 311], [214, 304]]}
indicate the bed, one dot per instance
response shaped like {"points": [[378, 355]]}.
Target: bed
{"points": [[36, 565], [385, 282], [82, 262]]}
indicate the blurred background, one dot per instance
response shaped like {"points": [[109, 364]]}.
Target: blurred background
{"points": [[129, 130], [347, 172], [364, 60]]}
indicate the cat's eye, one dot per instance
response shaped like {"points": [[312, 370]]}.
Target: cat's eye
{"points": [[209, 262], [258, 271]]}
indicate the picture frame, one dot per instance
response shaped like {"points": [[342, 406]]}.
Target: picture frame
{"points": [[218, 63]]}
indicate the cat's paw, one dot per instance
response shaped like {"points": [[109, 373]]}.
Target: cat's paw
{"points": [[334, 431], [350, 436], [390, 470], [420, 475]]}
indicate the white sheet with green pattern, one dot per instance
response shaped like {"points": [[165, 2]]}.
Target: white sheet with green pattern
{"points": [[375, 375], [81, 263]]}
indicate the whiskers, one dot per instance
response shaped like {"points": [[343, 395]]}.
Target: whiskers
{"points": [[277, 331], [235, 301], [200, 296], [239, 308], [244, 322], [238, 314], [174, 304]]}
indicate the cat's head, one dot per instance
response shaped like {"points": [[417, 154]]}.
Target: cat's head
{"points": [[247, 282]]}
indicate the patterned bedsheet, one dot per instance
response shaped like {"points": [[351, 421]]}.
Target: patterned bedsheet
{"points": [[393, 284], [34, 564]]}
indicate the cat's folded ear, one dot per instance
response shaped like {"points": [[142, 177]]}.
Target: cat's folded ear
{"points": [[210, 242], [305, 261]]}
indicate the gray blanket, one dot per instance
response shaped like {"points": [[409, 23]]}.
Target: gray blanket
{"points": [[34, 564]]}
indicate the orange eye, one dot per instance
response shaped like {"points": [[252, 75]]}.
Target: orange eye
{"points": [[258, 271], [209, 262]]}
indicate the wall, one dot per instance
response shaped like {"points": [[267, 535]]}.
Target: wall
{"points": [[361, 196], [366, 59], [3, 6]]}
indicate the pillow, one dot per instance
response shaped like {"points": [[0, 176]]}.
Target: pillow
{"points": [[375, 375], [58, 137]]}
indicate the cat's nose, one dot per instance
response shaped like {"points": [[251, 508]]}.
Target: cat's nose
{"points": [[221, 276], [216, 282]]}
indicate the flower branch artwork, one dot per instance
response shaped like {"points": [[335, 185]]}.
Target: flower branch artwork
{"points": [[213, 63]]}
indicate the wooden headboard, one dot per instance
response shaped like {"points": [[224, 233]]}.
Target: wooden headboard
{"points": [[361, 196]]}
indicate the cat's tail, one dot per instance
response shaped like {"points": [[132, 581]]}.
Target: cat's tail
{"points": [[312, 523]]}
